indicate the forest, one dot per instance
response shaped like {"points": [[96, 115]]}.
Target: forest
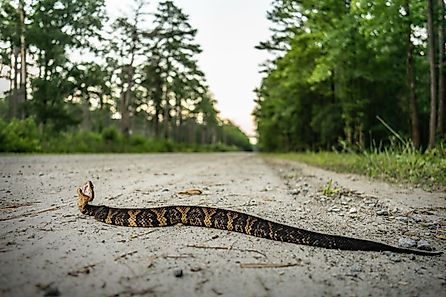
{"points": [[353, 75], [82, 81]]}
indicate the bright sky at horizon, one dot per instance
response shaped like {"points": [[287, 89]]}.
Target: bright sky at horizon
{"points": [[228, 31]]}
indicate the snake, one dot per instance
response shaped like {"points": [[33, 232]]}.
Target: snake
{"points": [[225, 219]]}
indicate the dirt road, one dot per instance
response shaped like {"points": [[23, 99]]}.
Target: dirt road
{"points": [[48, 248]]}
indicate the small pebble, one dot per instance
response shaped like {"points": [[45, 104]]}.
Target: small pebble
{"points": [[295, 192], [382, 212], [424, 245], [51, 291], [178, 273], [402, 219], [406, 243], [353, 210], [417, 219]]}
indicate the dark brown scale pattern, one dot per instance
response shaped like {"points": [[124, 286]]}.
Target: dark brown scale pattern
{"points": [[234, 221]]}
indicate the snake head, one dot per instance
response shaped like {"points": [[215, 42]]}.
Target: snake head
{"points": [[88, 190], [85, 194]]}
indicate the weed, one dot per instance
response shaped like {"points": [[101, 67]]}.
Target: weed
{"points": [[330, 189], [397, 163]]}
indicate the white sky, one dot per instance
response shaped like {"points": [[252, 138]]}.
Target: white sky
{"points": [[228, 30]]}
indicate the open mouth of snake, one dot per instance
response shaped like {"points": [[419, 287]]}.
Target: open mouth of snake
{"points": [[86, 190]]}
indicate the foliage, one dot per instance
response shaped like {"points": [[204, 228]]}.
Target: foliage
{"points": [[24, 136], [395, 164], [338, 65], [111, 134], [234, 136], [84, 71], [330, 189], [54, 27], [19, 136]]}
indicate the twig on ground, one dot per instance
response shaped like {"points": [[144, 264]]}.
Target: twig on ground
{"points": [[216, 291], [228, 248], [191, 192], [86, 269], [142, 234], [125, 255], [14, 206], [269, 265], [30, 214], [183, 256]]}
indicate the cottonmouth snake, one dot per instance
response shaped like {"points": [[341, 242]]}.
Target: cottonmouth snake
{"points": [[226, 220]]}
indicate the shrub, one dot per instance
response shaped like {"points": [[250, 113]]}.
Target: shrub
{"points": [[19, 136], [112, 134]]}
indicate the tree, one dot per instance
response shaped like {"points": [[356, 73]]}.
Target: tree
{"points": [[411, 82], [441, 62], [125, 46], [433, 77], [90, 81], [341, 64], [12, 26], [175, 51], [55, 27], [153, 84], [139, 76], [21, 96]]}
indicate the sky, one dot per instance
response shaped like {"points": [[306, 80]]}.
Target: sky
{"points": [[228, 31]]}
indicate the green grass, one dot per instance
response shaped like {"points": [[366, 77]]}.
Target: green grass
{"points": [[402, 165]]}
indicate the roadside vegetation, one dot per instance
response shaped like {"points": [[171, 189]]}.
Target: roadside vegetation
{"points": [[351, 73], [355, 87], [395, 164], [80, 80], [23, 136]]}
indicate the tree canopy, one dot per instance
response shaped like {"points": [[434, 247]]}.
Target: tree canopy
{"points": [[346, 71], [70, 67]]}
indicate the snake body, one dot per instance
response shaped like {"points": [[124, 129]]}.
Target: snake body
{"points": [[226, 220]]}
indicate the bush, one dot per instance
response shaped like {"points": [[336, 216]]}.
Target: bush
{"points": [[23, 136], [77, 142], [111, 134], [19, 136]]}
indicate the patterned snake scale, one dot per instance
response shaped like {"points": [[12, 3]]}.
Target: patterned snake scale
{"points": [[226, 220]]}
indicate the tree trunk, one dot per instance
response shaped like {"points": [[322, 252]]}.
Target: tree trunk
{"points": [[156, 121], [23, 69], [411, 84], [166, 117], [179, 121], [86, 116], [125, 129], [13, 96], [126, 96], [333, 86], [433, 81], [441, 95], [166, 111]]}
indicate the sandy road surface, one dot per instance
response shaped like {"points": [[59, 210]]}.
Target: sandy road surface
{"points": [[48, 248]]}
